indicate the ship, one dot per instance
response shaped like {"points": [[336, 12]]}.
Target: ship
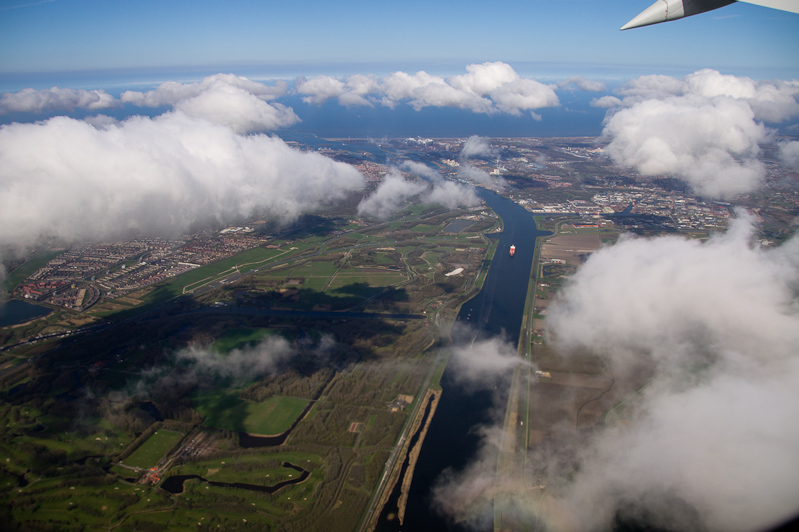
{"points": [[512, 249]]}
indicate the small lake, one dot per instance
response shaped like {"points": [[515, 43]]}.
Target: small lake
{"points": [[14, 311]]}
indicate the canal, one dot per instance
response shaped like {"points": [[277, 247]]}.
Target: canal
{"points": [[498, 309]]}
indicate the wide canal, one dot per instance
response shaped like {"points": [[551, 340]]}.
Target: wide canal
{"points": [[498, 309]]}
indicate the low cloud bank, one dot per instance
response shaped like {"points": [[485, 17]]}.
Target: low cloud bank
{"points": [[55, 99], [271, 355], [485, 88], [247, 105], [224, 99], [711, 442], [705, 128], [717, 429], [395, 190], [69, 179], [466, 496], [476, 146]]}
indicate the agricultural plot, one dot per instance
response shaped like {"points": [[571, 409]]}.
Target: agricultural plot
{"points": [[77, 506], [259, 469], [343, 442], [223, 409], [362, 282], [241, 263], [155, 448], [239, 338]]}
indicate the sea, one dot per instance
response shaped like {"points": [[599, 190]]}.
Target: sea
{"points": [[574, 117]]}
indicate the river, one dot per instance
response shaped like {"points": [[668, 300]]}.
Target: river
{"points": [[498, 309]]}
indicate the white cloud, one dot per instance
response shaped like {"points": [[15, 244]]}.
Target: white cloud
{"points": [[55, 99], [172, 92], [467, 495], [392, 192], [452, 195], [320, 89], [476, 175], [711, 444], [718, 426], [246, 363], [771, 101], [486, 88], [225, 99], [271, 355], [484, 78], [484, 363], [353, 92], [475, 147], [606, 101], [395, 190], [789, 154], [235, 107], [69, 179], [582, 84], [705, 128], [446, 193], [710, 143]]}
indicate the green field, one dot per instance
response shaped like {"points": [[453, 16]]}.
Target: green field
{"points": [[151, 451], [315, 269], [19, 275], [263, 468], [223, 409], [205, 275], [239, 338], [243, 262]]}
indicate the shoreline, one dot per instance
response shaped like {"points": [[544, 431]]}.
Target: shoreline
{"points": [[413, 454], [433, 396]]}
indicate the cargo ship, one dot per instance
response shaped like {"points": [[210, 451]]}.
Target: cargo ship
{"points": [[512, 249]]}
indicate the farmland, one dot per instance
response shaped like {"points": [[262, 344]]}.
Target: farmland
{"points": [[181, 371]]}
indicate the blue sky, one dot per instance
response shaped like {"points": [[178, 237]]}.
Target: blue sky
{"points": [[340, 38]]}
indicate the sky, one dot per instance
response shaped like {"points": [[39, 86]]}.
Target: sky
{"points": [[576, 37]]}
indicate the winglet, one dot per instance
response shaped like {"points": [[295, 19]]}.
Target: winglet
{"points": [[654, 14]]}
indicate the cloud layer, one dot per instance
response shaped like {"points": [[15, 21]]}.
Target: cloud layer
{"points": [[485, 88], [271, 355], [72, 180], [395, 190], [717, 429], [55, 99], [705, 128], [223, 99]]}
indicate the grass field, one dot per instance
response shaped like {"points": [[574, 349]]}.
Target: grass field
{"points": [[191, 280], [372, 279], [263, 468], [19, 275], [315, 269], [239, 338], [223, 409], [243, 262], [151, 451]]}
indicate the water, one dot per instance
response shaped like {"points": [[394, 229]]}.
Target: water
{"points": [[498, 309], [573, 118], [14, 311]]}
